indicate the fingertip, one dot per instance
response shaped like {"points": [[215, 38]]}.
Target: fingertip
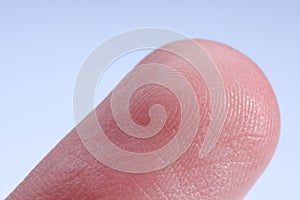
{"points": [[244, 148]]}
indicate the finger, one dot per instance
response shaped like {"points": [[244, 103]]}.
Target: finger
{"points": [[241, 153]]}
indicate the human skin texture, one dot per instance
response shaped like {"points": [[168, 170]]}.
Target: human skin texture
{"points": [[243, 150]]}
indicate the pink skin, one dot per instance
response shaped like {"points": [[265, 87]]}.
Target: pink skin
{"points": [[244, 149]]}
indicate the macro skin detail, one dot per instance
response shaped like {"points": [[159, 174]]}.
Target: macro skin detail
{"points": [[242, 152]]}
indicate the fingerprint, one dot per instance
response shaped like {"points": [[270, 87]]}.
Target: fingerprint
{"points": [[137, 157]]}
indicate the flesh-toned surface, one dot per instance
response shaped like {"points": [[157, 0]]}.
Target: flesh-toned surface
{"points": [[242, 152]]}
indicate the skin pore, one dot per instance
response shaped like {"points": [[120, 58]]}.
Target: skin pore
{"points": [[244, 148]]}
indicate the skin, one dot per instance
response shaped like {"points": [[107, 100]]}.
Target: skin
{"points": [[245, 146]]}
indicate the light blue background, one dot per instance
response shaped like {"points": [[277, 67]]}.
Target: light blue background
{"points": [[42, 46]]}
